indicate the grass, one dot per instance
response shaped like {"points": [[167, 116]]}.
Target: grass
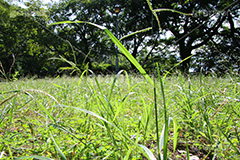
{"points": [[122, 116], [108, 117]]}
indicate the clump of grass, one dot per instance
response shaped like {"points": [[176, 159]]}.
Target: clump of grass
{"points": [[114, 117], [120, 117]]}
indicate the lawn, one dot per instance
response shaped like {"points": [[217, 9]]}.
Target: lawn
{"points": [[108, 117]]}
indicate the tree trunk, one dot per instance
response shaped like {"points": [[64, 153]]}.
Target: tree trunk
{"points": [[134, 54], [185, 52]]}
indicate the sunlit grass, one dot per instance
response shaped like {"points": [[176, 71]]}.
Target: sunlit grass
{"points": [[206, 110]]}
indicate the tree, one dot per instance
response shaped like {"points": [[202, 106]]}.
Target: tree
{"points": [[24, 40], [222, 52], [134, 16], [192, 32], [28, 36], [85, 41]]}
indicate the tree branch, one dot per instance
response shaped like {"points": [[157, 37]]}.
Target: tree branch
{"points": [[211, 32]]}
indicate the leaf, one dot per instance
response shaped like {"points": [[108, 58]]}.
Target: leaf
{"points": [[228, 139], [175, 134], [155, 14], [149, 153], [58, 149], [129, 56], [136, 32], [171, 10], [35, 157], [56, 85], [113, 84], [118, 44]]}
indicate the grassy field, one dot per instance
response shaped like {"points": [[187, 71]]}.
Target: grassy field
{"points": [[105, 117]]}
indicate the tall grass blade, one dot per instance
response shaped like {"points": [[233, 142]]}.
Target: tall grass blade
{"points": [[97, 116], [128, 154], [136, 32], [168, 72], [129, 56], [126, 96], [118, 44], [175, 134], [33, 157], [10, 152], [188, 155], [42, 108], [128, 81], [63, 129], [113, 84], [171, 10], [58, 149], [156, 123], [4, 112], [165, 116], [73, 65], [155, 14], [234, 147], [80, 79], [149, 153], [105, 121]]}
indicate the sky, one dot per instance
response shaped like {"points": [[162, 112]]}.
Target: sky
{"points": [[22, 2], [49, 1]]}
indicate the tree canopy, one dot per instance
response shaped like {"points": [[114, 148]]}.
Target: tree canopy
{"points": [[208, 40]]}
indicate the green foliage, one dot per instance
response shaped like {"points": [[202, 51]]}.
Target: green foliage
{"points": [[24, 32], [206, 109], [21, 39]]}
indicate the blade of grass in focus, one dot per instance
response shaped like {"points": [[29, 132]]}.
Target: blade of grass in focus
{"points": [[118, 44], [165, 116]]}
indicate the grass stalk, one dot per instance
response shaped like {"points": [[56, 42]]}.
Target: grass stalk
{"points": [[165, 116], [156, 122]]}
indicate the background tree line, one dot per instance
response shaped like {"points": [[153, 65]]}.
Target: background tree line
{"points": [[209, 39]]}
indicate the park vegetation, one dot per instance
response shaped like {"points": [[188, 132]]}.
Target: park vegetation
{"points": [[206, 37], [175, 96]]}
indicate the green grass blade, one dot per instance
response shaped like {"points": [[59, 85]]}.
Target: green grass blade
{"points": [[10, 152], [27, 92], [165, 116], [188, 155], [171, 10], [175, 134], [128, 154], [80, 79], [118, 44], [103, 99], [168, 72], [34, 157], [97, 116], [42, 108], [58, 86], [106, 121], [113, 84], [156, 123], [234, 147], [149, 153], [136, 32], [58, 149], [128, 81], [155, 14], [62, 129], [5, 111], [129, 56]]}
